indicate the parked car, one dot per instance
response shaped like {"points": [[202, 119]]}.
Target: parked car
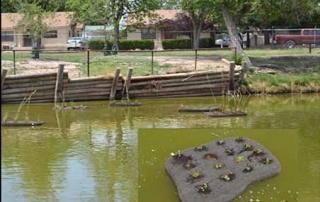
{"points": [[77, 43], [224, 41], [306, 36]]}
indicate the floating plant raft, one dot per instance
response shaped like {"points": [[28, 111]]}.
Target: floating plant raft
{"points": [[220, 170], [197, 109], [22, 123], [69, 107], [125, 104], [225, 113]]}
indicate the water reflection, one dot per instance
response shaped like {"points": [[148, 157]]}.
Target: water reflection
{"points": [[91, 155]]}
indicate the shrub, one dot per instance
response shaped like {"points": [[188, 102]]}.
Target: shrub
{"points": [[176, 44], [98, 44], [237, 60], [136, 44], [206, 43]]}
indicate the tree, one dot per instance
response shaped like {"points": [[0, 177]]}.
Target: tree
{"points": [[32, 22], [199, 10], [109, 11]]}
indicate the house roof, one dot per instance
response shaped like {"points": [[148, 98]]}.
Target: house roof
{"points": [[161, 15], [101, 28], [59, 19]]}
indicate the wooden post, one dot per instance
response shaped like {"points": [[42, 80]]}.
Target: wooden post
{"points": [[231, 76], [243, 70], [3, 77], [59, 84], [114, 84], [126, 87]]}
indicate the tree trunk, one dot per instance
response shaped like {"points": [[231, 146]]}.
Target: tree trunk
{"points": [[116, 35], [196, 32], [233, 32]]}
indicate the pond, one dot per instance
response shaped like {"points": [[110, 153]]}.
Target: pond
{"points": [[117, 154]]}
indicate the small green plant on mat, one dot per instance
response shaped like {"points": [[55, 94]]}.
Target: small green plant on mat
{"points": [[196, 174], [239, 159], [218, 166], [177, 154], [204, 188]]}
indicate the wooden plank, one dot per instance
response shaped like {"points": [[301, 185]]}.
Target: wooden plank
{"points": [[28, 89], [21, 123], [74, 83], [91, 79], [180, 80], [86, 95], [27, 94], [183, 88], [114, 84], [225, 114], [177, 75], [33, 77], [31, 84], [84, 85]]}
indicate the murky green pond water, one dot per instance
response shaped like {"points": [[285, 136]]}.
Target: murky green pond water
{"points": [[117, 154]]}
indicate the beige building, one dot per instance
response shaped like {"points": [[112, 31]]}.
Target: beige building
{"points": [[152, 27], [61, 28]]}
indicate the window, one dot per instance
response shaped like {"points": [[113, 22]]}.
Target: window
{"points": [[148, 33], [7, 36], [51, 34]]}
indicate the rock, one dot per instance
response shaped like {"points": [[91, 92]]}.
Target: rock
{"points": [[220, 170]]}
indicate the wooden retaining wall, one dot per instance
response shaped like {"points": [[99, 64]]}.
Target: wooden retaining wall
{"points": [[57, 87], [204, 83], [43, 88]]}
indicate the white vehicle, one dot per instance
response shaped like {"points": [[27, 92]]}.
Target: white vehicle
{"points": [[76, 43]]}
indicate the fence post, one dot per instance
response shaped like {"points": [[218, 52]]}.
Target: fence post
{"points": [[195, 59], [231, 76], [3, 77], [114, 84], [88, 62], [59, 84], [151, 62], [310, 47], [14, 62], [126, 87]]}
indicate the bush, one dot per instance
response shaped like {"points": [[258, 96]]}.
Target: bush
{"points": [[186, 43], [237, 60], [206, 43], [176, 44], [98, 44], [136, 44]]}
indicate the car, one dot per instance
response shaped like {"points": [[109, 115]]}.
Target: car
{"points": [[77, 43], [224, 41]]}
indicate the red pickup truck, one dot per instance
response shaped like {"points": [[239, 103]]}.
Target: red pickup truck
{"points": [[306, 36]]}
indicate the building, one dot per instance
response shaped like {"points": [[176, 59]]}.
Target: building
{"points": [[154, 27], [62, 26]]}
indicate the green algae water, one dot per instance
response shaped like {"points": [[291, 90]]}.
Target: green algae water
{"points": [[117, 154]]}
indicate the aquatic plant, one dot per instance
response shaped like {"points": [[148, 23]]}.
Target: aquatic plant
{"points": [[204, 188], [247, 169], [240, 158], [239, 139], [218, 166], [177, 154], [227, 177], [230, 152]]}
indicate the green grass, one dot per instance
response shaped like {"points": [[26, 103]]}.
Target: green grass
{"points": [[282, 83]]}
